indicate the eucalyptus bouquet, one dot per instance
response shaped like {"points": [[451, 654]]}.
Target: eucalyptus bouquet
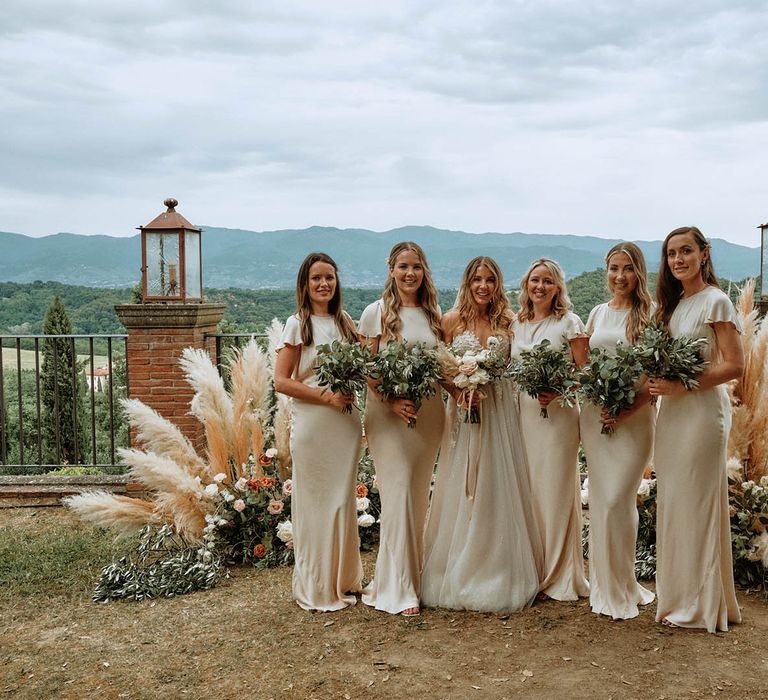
{"points": [[405, 373], [544, 368], [610, 381], [665, 357], [342, 368], [469, 366]]}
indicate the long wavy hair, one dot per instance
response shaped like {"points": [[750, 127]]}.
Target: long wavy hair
{"points": [[391, 325], [499, 312], [668, 288], [640, 313], [561, 303], [335, 307]]}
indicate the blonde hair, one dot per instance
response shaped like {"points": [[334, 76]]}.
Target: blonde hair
{"points": [[561, 303], [640, 313], [391, 325], [499, 312]]}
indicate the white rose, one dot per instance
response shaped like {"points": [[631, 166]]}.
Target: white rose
{"points": [[241, 483], [468, 366], [219, 477], [239, 505], [285, 531], [363, 504], [644, 490], [493, 340], [288, 487], [211, 490], [366, 520], [271, 453], [228, 497]]}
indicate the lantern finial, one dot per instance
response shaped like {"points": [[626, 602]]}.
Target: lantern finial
{"points": [[171, 203]]}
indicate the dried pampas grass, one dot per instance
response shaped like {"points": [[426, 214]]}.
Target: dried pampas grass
{"points": [[748, 439], [124, 514], [249, 372], [282, 425], [274, 338]]}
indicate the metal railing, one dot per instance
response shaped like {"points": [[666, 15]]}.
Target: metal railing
{"points": [[226, 341], [55, 410]]}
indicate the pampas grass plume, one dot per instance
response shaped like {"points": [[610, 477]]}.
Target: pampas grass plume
{"points": [[124, 514]]}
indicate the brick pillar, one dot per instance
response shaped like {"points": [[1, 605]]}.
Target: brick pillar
{"points": [[157, 335]]}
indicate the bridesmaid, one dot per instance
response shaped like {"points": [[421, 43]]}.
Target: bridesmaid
{"points": [[616, 463], [404, 457], [482, 550], [552, 444], [694, 571], [325, 446]]}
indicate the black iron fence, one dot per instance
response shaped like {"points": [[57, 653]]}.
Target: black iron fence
{"points": [[59, 402], [225, 342]]}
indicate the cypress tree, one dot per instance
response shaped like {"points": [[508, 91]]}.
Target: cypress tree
{"points": [[60, 397]]}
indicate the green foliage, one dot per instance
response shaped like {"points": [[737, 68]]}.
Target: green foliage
{"points": [[343, 368], [163, 565], [666, 357], [749, 522], [406, 373], [366, 488], [610, 381], [60, 393], [544, 369], [75, 471]]}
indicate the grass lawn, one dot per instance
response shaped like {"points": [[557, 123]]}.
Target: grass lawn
{"points": [[28, 359], [247, 639]]}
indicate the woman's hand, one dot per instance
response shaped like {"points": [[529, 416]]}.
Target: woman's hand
{"points": [[340, 401], [404, 409], [546, 398], [665, 387]]}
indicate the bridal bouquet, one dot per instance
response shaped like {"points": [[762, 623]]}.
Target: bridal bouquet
{"points": [[470, 366], [610, 381], [665, 357], [342, 368], [545, 369], [405, 373]]}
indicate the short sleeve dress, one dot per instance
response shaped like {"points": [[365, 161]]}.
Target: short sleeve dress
{"points": [[615, 463], [694, 570], [404, 459], [552, 448], [325, 447]]}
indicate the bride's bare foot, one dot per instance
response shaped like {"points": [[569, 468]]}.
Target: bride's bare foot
{"points": [[410, 612], [668, 623]]}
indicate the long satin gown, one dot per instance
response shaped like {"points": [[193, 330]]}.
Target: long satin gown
{"points": [[482, 548], [694, 570], [325, 447], [616, 463], [404, 460], [552, 447]]}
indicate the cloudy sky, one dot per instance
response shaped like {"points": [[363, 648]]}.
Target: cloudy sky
{"points": [[621, 119]]}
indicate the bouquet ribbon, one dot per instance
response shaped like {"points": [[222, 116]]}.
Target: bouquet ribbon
{"points": [[472, 469]]}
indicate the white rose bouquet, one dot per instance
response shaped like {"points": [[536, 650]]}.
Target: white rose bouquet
{"points": [[469, 366]]}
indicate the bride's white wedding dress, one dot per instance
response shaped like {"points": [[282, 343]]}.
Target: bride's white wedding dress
{"points": [[482, 547]]}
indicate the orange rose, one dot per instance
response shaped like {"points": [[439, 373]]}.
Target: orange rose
{"points": [[259, 551], [254, 485], [361, 490], [265, 461], [268, 482]]}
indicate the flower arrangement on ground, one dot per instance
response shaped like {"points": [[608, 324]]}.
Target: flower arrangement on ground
{"points": [[342, 368], [610, 381], [543, 369], [665, 357], [206, 504], [368, 503], [405, 373], [470, 366]]}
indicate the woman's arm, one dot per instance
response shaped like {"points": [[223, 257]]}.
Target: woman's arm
{"points": [[287, 360], [731, 366]]}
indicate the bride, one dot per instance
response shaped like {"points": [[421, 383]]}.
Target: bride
{"points": [[482, 550]]}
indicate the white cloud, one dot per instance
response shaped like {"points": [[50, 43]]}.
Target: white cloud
{"points": [[602, 118]]}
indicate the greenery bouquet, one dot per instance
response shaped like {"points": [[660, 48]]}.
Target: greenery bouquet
{"points": [[665, 357], [544, 368], [469, 366], [342, 368], [406, 373], [610, 381]]}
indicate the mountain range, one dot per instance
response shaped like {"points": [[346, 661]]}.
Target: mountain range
{"points": [[269, 259]]}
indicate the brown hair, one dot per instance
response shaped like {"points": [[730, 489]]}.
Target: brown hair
{"points": [[335, 308], [561, 304], [640, 313], [499, 312], [668, 288], [391, 325]]}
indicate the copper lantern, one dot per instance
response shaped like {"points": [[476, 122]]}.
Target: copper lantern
{"points": [[171, 258]]}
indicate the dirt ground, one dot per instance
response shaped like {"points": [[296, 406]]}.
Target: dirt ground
{"points": [[247, 639]]}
